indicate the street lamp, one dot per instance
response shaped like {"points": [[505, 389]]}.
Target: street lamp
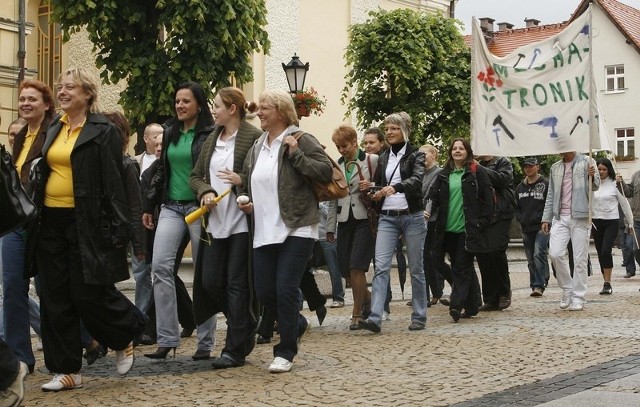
{"points": [[296, 72]]}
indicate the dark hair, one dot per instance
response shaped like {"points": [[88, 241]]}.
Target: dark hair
{"points": [[607, 163], [45, 90], [467, 147], [234, 96], [379, 135], [205, 118], [124, 131]]}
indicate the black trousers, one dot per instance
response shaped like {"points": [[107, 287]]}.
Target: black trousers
{"points": [[436, 271], [108, 315], [310, 290], [9, 366], [494, 269], [465, 288], [225, 279]]}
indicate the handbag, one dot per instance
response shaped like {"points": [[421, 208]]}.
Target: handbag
{"points": [[16, 206], [328, 191]]}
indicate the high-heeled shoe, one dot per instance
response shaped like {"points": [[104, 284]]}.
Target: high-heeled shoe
{"points": [[161, 353]]}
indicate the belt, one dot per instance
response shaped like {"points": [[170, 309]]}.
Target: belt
{"points": [[395, 213], [185, 202]]}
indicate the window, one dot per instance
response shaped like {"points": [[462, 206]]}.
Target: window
{"points": [[49, 46], [625, 143], [614, 77]]}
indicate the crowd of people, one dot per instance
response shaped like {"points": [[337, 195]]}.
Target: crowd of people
{"points": [[253, 248]]}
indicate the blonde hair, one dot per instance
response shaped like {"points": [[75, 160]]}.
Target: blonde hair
{"points": [[401, 119], [82, 77], [283, 103], [429, 148]]}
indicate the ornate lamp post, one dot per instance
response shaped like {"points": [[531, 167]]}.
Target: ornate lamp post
{"points": [[296, 72]]}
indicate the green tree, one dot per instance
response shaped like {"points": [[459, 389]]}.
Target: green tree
{"points": [[410, 61], [157, 44]]}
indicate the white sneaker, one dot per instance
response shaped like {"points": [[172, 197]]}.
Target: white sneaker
{"points": [[280, 365], [63, 382], [124, 359], [13, 395], [337, 304], [385, 316], [576, 306], [565, 301]]}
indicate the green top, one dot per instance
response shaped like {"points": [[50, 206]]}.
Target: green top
{"points": [[455, 213], [181, 164]]}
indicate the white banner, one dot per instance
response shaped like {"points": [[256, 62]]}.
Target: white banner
{"points": [[540, 99]]}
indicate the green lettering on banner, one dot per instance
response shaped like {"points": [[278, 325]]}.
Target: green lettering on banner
{"points": [[523, 95], [501, 71], [569, 91], [558, 60], [537, 89], [580, 84], [557, 92], [508, 93], [573, 50]]}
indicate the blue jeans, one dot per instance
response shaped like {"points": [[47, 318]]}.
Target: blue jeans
{"points": [[627, 243], [330, 250], [536, 248], [144, 288], [170, 229], [389, 230], [15, 299], [277, 272]]}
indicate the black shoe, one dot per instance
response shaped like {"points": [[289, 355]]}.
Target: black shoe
{"points": [[505, 301], [146, 340], [629, 275], [321, 312], [94, 354], [201, 355], [226, 361], [606, 289], [187, 332], [445, 301], [369, 325], [161, 353], [455, 314], [262, 339], [416, 326], [489, 307], [466, 314]]}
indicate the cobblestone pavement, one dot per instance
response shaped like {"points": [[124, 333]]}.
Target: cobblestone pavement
{"points": [[479, 361]]}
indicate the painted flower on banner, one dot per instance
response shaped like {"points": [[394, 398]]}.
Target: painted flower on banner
{"points": [[490, 83]]}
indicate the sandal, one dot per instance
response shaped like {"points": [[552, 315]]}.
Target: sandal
{"points": [[354, 323]]}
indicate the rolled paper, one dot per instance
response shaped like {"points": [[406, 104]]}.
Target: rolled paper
{"points": [[198, 213]]}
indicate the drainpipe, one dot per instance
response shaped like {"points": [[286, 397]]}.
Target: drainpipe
{"points": [[22, 53], [452, 8]]}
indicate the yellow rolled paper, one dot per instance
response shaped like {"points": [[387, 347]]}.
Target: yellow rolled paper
{"points": [[198, 213]]}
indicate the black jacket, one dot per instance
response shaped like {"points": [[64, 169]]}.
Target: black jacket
{"points": [[101, 208], [156, 194], [500, 171], [477, 201], [131, 173], [34, 152], [411, 172], [530, 200]]}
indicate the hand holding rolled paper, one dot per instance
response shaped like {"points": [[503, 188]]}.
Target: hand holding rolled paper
{"points": [[198, 213]]}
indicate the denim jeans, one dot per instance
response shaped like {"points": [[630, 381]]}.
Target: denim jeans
{"points": [[627, 244], [15, 298], [330, 250], [536, 248], [144, 289], [277, 272], [389, 230], [170, 229]]}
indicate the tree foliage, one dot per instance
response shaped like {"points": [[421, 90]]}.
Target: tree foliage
{"points": [[410, 61], [157, 44]]}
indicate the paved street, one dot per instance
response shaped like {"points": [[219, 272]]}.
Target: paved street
{"points": [[529, 354]]}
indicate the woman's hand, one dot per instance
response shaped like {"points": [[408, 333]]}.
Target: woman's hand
{"points": [[364, 185], [384, 192], [292, 144], [208, 200], [147, 221], [246, 207], [229, 177]]}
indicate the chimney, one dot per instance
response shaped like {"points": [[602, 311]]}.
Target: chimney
{"points": [[531, 22], [504, 26], [486, 23]]}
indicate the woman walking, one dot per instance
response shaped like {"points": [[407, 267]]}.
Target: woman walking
{"points": [[285, 215], [182, 141], [222, 282]]}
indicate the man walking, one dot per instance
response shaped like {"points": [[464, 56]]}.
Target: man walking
{"points": [[531, 195]]}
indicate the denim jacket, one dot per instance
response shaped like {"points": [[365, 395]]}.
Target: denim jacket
{"points": [[579, 189]]}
